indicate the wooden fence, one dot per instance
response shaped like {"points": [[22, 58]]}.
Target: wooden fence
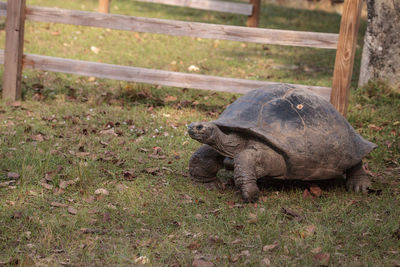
{"points": [[252, 10], [14, 60]]}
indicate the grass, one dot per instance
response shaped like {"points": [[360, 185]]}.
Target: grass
{"points": [[153, 213]]}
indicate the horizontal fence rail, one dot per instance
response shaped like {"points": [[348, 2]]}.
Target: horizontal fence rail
{"points": [[180, 28], [228, 7], [151, 76]]}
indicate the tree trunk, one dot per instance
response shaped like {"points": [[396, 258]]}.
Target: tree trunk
{"points": [[381, 52]]}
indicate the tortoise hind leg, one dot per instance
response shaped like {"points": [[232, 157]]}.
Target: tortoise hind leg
{"points": [[357, 179], [204, 164]]}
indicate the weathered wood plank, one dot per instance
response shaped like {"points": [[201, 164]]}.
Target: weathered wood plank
{"points": [[222, 6], [159, 77], [182, 28], [345, 54], [14, 49], [254, 18], [104, 6]]}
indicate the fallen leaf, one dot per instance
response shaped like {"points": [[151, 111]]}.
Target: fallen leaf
{"points": [[101, 191], [193, 246], [310, 230], [193, 68], [37, 138], [90, 231], [234, 258], [64, 184], [95, 49], [236, 241], [270, 247], [292, 214], [307, 194], [202, 263], [142, 260], [252, 218], [7, 183], [106, 217], [315, 190], [265, 262], [245, 253], [13, 175], [48, 176], [47, 186], [108, 132], [17, 215], [322, 258], [129, 175], [153, 171], [170, 98], [58, 205], [316, 250], [72, 211], [215, 239]]}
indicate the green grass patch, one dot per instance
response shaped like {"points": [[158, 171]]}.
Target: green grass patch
{"points": [[75, 135]]}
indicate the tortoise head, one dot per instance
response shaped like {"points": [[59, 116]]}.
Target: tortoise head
{"points": [[204, 132]]}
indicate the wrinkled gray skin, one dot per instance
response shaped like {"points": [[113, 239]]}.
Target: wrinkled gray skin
{"points": [[279, 132], [252, 159]]}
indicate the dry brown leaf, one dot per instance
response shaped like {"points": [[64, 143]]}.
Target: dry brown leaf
{"points": [[47, 186], [292, 214], [170, 98], [322, 258], [316, 250], [265, 262], [108, 132], [72, 210], [307, 194], [252, 218], [7, 183], [236, 241], [37, 138], [310, 230], [153, 171], [58, 205], [129, 175], [315, 190], [202, 263], [102, 191], [270, 247], [216, 239], [193, 246], [13, 175]]}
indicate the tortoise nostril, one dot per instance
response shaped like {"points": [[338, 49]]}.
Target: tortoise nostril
{"points": [[199, 127]]}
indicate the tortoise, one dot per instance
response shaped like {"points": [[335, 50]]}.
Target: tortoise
{"points": [[279, 132]]}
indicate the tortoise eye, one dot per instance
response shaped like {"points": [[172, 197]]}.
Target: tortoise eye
{"points": [[299, 106], [199, 127]]}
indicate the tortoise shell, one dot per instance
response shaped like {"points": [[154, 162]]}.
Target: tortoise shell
{"points": [[316, 141]]}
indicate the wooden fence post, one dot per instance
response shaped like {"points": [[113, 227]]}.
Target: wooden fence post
{"points": [[345, 54], [15, 23], [104, 6], [254, 18]]}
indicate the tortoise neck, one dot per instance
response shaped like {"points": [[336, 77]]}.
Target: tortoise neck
{"points": [[227, 144]]}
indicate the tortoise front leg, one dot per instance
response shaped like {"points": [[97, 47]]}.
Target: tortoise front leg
{"points": [[357, 179], [204, 164], [245, 175]]}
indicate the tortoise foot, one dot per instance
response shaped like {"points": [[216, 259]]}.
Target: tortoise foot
{"points": [[359, 183], [250, 192]]}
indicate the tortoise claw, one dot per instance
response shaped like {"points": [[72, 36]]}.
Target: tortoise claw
{"points": [[250, 192], [358, 184]]}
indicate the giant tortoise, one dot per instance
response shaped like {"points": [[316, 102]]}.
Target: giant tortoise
{"points": [[280, 132]]}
